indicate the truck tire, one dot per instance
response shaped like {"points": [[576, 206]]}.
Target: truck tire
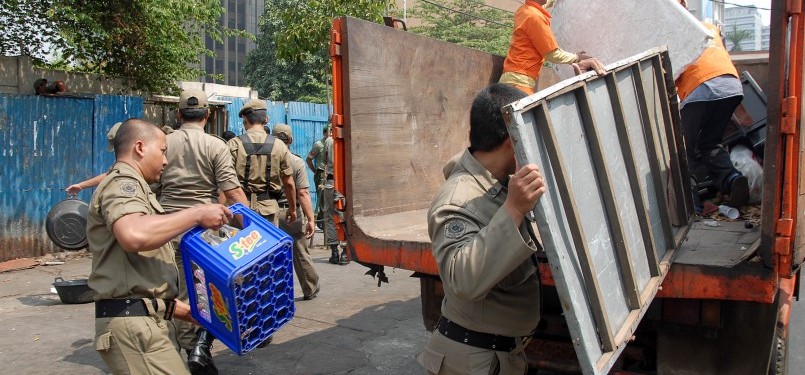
{"points": [[778, 364]]}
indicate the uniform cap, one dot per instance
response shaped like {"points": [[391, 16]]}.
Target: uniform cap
{"points": [[193, 98], [282, 132], [110, 136], [251, 106]]}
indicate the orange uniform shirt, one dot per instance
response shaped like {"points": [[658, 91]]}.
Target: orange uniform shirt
{"points": [[714, 61], [532, 39]]}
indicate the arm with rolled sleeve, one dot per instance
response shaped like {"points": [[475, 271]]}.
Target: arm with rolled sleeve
{"points": [[473, 262]]}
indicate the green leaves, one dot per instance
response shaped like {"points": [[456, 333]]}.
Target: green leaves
{"points": [[291, 61], [149, 43], [470, 23]]}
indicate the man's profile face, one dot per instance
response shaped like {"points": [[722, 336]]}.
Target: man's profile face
{"points": [[154, 160]]}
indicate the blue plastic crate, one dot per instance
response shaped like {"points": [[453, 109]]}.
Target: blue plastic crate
{"points": [[242, 289]]}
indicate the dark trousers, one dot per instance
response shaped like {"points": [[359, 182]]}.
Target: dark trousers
{"points": [[703, 125]]}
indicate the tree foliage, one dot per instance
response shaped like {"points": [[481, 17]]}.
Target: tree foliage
{"points": [[470, 23], [279, 78], [305, 26], [148, 43], [291, 61], [736, 37]]}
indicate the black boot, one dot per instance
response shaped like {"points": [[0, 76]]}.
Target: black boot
{"points": [[334, 256], [200, 359], [343, 260]]}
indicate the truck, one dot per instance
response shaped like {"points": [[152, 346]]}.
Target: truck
{"points": [[722, 295]]}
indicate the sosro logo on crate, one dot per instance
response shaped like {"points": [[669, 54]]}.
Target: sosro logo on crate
{"points": [[245, 245]]}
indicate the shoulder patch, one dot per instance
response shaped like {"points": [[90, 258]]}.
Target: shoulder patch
{"points": [[128, 189], [455, 228]]}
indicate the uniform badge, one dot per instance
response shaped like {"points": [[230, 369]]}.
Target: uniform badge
{"points": [[455, 229], [128, 189]]}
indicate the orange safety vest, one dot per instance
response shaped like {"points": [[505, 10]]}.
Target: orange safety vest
{"points": [[532, 39], [714, 61]]}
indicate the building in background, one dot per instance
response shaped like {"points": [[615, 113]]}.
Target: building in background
{"points": [[743, 20], [230, 56], [764, 38], [707, 11]]}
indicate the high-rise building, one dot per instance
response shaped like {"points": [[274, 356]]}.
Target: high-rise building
{"points": [[707, 11], [231, 54], [743, 23], [764, 38]]}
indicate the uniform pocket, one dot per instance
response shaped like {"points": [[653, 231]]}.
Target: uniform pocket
{"points": [[431, 360], [103, 342]]}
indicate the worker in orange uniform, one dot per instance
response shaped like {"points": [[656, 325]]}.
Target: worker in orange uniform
{"points": [[709, 90], [532, 43]]}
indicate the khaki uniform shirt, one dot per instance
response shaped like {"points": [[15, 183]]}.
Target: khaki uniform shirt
{"points": [[199, 165], [487, 266], [318, 154], [299, 172], [280, 166], [115, 272]]}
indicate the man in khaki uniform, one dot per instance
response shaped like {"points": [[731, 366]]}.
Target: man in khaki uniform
{"points": [[301, 229], [316, 160], [199, 166], [264, 183], [485, 249], [133, 272], [328, 207]]}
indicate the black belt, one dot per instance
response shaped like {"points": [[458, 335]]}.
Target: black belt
{"points": [[481, 340], [112, 308], [284, 204], [266, 195]]}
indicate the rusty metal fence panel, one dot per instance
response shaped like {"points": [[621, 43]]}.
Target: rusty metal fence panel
{"points": [[618, 202]]}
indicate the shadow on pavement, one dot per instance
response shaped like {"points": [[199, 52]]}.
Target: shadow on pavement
{"points": [[85, 354], [379, 339]]}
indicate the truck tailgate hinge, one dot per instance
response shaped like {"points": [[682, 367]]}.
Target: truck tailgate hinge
{"points": [[793, 6], [335, 43], [789, 123]]}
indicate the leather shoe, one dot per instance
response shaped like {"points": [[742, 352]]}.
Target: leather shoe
{"points": [[199, 360], [343, 260]]}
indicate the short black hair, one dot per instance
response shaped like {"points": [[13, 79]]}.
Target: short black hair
{"points": [[487, 127], [131, 131], [256, 117], [194, 114], [326, 130]]}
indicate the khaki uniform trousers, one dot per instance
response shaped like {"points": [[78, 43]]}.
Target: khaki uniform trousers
{"points": [[302, 263], [139, 345], [318, 179], [185, 331], [443, 356], [328, 207]]}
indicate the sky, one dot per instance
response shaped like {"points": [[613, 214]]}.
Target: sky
{"points": [[764, 14]]}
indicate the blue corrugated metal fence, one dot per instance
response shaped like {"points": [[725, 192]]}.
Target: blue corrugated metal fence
{"points": [[49, 143]]}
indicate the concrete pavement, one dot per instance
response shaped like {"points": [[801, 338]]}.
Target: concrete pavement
{"points": [[351, 327]]}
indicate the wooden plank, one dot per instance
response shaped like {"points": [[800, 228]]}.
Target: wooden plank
{"points": [[579, 239], [624, 259], [653, 157], [634, 181]]}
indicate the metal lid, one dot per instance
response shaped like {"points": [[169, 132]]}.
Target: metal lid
{"points": [[66, 224]]}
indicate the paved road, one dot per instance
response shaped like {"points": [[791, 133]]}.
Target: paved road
{"points": [[352, 327]]}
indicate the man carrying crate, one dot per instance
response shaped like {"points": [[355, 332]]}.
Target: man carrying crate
{"points": [[199, 166], [134, 275]]}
